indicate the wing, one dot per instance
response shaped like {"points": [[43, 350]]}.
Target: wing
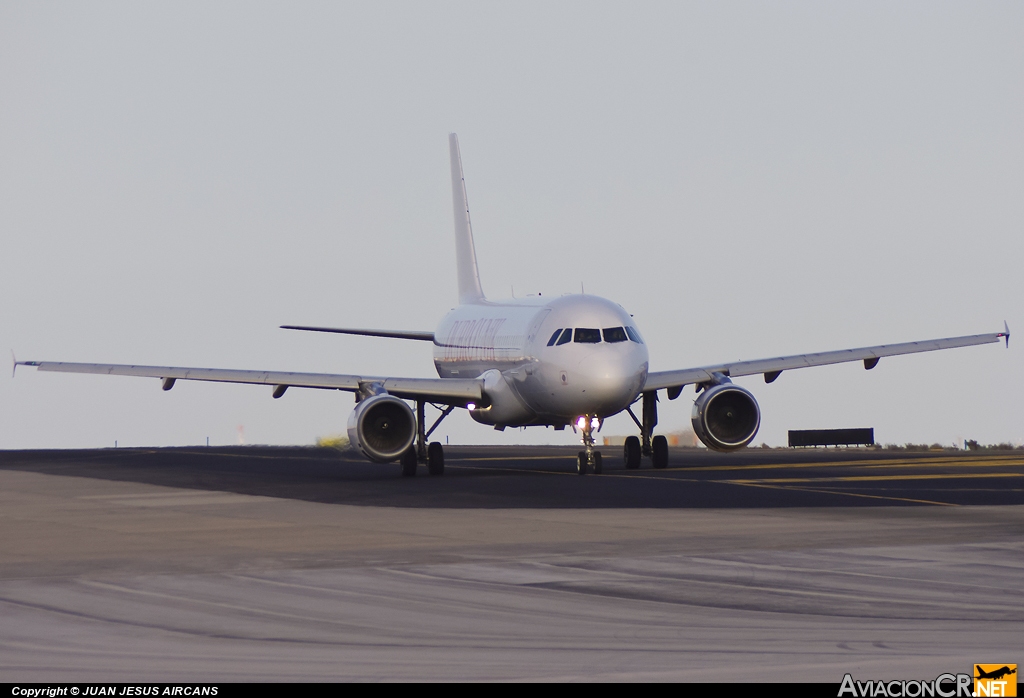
{"points": [[771, 368], [452, 391], [393, 334]]}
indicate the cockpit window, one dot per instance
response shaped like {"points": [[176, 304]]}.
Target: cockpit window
{"points": [[554, 336], [566, 337], [585, 335], [633, 334], [614, 334]]}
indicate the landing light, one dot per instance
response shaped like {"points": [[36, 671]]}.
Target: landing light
{"points": [[581, 422], [595, 423], [470, 405]]}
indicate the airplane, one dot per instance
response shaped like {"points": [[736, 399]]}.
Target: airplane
{"points": [[995, 674], [574, 360]]}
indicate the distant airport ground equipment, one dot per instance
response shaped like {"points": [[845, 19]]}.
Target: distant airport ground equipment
{"points": [[335, 441], [832, 437]]}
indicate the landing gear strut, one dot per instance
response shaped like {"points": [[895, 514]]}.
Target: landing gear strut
{"points": [[432, 455], [656, 447], [588, 458], [650, 421]]}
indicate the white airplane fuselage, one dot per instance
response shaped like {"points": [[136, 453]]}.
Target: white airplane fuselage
{"points": [[533, 377]]}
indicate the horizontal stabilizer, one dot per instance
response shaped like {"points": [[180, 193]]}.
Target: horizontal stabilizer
{"points": [[393, 334]]}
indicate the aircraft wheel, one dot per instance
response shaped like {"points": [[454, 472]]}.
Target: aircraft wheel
{"points": [[435, 459], [597, 462], [631, 452], [659, 444], [409, 462], [581, 463]]}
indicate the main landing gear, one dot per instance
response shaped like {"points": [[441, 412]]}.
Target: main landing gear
{"points": [[588, 459], [431, 455], [656, 447]]}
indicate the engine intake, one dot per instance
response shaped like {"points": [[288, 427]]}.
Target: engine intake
{"points": [[382, 427], [725, 417]]}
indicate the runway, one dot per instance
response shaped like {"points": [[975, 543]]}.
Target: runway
{"points": [[255, 563]]}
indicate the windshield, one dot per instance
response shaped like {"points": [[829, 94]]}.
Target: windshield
{"points": [[615, 334], [588, 335], [585, 335], [633, 334]]}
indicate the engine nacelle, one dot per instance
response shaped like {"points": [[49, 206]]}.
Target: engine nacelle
{"points": [[725, 417], [382, 427]]}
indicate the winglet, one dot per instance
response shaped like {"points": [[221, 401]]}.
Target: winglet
{"points": [[20, 363], [1006, 334]]}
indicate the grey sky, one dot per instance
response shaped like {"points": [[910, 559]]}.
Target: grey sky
{"points": [[748, 179]]}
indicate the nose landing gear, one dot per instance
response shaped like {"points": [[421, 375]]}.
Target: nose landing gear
{"points": [[588, 459]]}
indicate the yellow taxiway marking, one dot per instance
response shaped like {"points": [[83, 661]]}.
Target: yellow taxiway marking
{"points": [[200, 451], [556, 456], [644, 474], [784, 484], [879, 463], [765, 484], [511, 470], [968, 463], [840, 492], [877, 478]]}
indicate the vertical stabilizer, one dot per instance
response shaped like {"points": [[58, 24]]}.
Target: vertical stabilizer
{"points": [[465, 252]]}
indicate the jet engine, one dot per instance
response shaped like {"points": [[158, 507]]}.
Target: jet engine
{"points": [[382, 427], [725, 417]]}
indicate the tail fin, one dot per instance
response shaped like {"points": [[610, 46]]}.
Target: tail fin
{"points": [[465, 252]]}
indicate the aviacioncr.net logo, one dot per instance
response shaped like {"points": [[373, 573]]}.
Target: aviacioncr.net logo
{"points": [[943, 686], [995, 680]]}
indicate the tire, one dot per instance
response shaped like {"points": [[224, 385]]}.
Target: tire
{"points": [[409, 462], [581, 463], [435, 459], [631, 452], [597, 462], [659, 444]]}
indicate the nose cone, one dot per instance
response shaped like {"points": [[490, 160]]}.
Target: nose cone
{"points": [[611, 377]]}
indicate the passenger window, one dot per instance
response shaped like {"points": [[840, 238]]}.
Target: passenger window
{"points": [[585, 335], [566, 336], [554, 336], [614, 334], [633, 334]]}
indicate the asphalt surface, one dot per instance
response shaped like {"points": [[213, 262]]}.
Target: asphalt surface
{"points": [[263, 564], [531, 477]]}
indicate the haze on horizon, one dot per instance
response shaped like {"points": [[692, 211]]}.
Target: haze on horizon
{"points": [[748, 180]]}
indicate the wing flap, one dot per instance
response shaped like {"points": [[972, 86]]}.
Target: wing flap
{"points": [[671, 379]]}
